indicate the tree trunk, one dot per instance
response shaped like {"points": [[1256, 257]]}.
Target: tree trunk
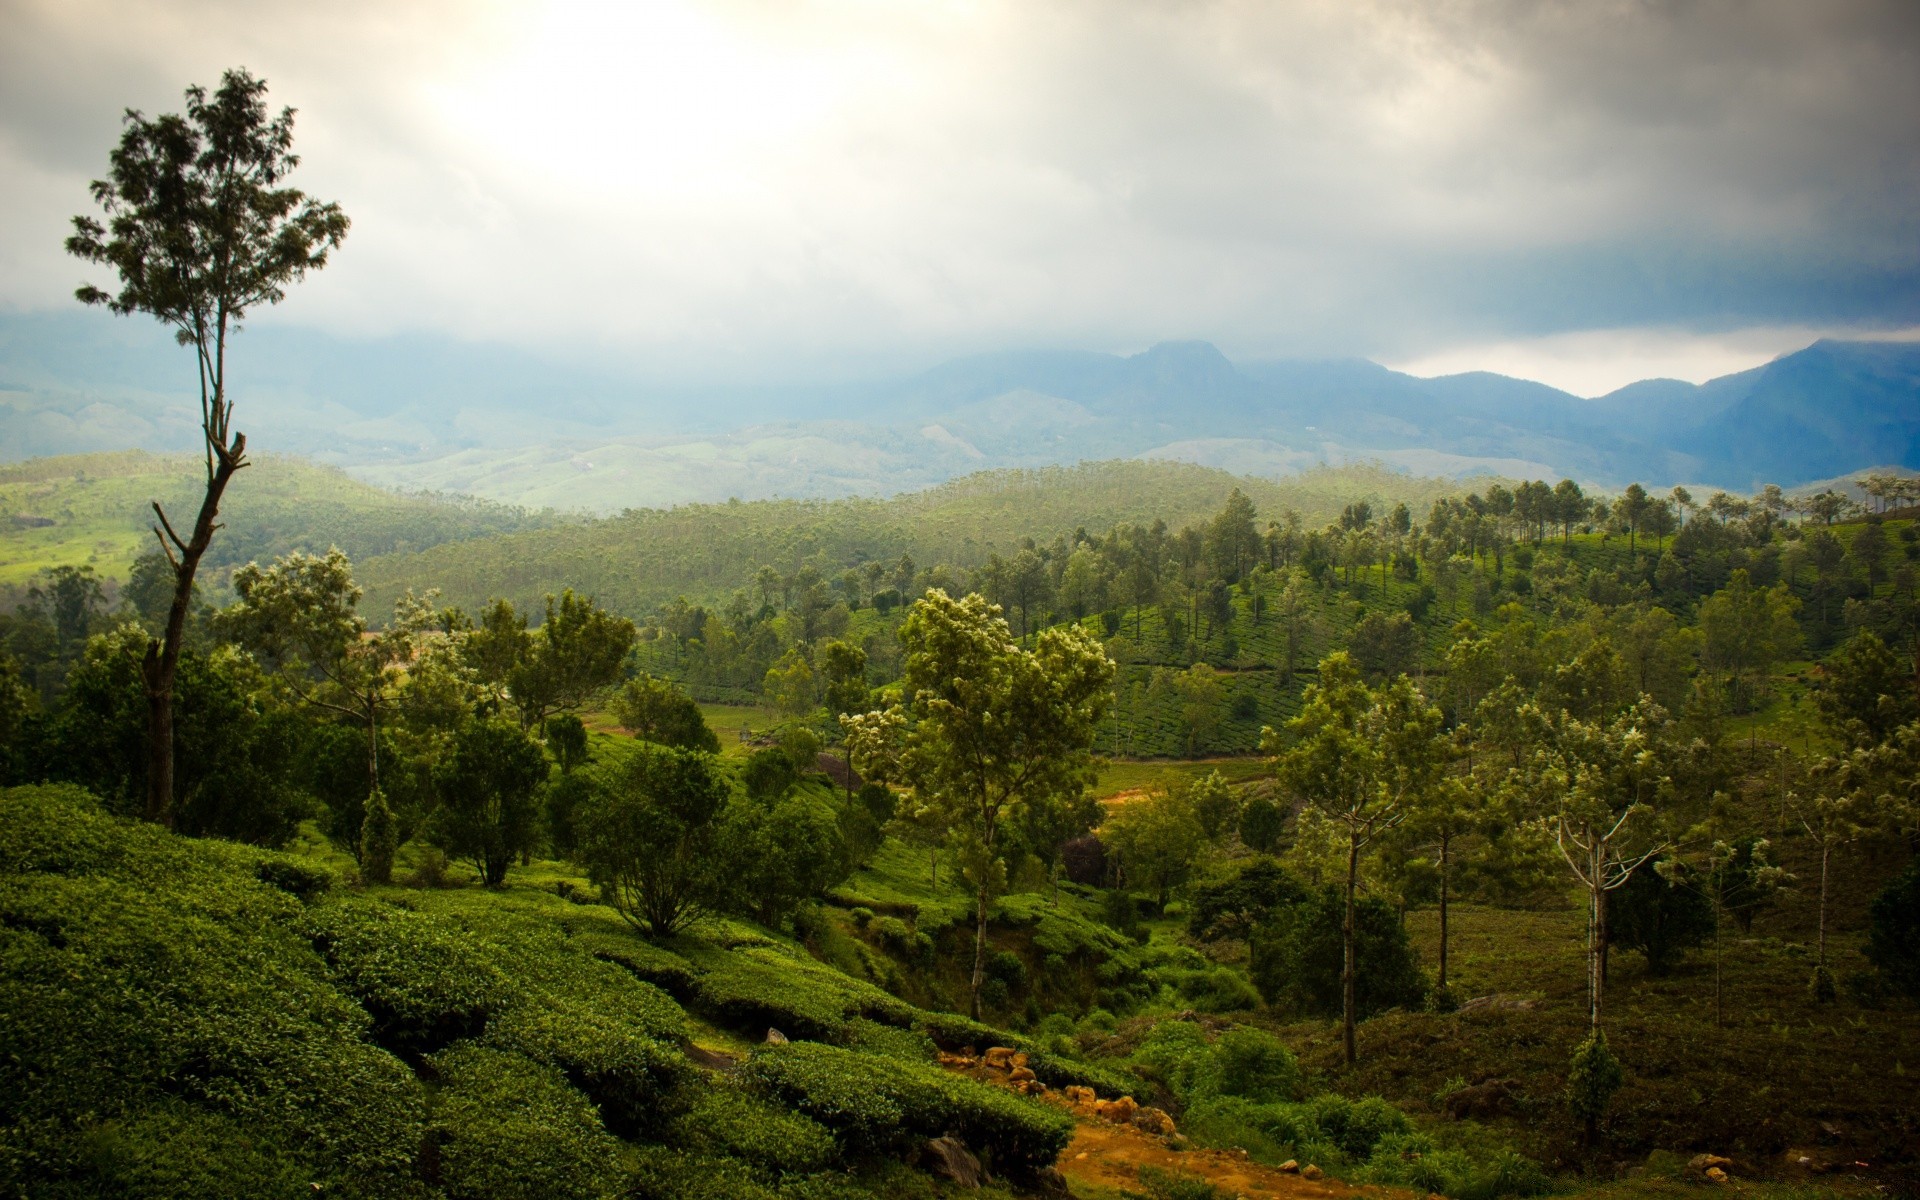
{"points": [[161, 665], [1600, 958], [979, 946], [1348, 989], [1826, 852], [1444, 866]]}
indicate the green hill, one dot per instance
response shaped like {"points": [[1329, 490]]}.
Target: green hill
{"points": [[93, 510], [643, 558]]}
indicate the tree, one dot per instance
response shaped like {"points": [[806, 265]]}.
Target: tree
{"points": [[1600, 783], [299, 615], [1893, 931], [1363, 760], [648, 837], [656, 711], [200, 232], [578, 650], [1864, 692], [1660, 912], [1739, 881], [1385, 645], [789, 685], [1158, 840], [487, 785], [843, 670], [1202, 702], [985, 726], [1839, 812], [1299, 957], [1442, 817], [1745, 630], [780, 855]]}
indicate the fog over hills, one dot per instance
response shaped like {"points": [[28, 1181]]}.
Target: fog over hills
{"points": [[421, 412]]}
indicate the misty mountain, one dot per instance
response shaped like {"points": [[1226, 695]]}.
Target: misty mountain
{"points": [[425, 412]]}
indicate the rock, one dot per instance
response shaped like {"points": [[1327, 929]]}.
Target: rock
{"points": [[1311, 1172], [998, 1057], [1048, 1181], [1120, 1111], [1020, 1074], [1078, 1095], [776, 1038], [949, 1157], [1153, 1120], [1706, 1162], [1716, 1174], [1018, 1061], [1493, 1098], [1291, 1166]]}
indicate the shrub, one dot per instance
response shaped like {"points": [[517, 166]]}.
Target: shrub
{"points": [[873, 1103], [487, 787], [300, 880], [507, 1128], [884, 1041], [423, 983], [1177, 1185], [1593, 1076], [730, 1122], [663, 1174], [1249, 1063], [861, 916]]}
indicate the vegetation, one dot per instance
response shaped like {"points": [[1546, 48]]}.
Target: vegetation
{"points": [[200, 232], [526, 886]]}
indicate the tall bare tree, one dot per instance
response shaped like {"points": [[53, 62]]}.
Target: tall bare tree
{"points": [[200, 232]]}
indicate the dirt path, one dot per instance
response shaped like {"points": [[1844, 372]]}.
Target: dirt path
{"points": [[1105, 1158]]}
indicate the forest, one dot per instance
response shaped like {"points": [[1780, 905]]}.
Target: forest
{"points": [[1519, 840]]}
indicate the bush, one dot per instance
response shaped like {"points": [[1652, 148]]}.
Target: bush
{"points": [[297, 879], [1248, 1063], [424, 984], [730, 1122], [157, 999], [1177, 1185], [884, 1041], [1593, 1076], [507, 1128], [663, 1174], [872, 1104]]}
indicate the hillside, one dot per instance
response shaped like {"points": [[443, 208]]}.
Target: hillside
{"points": [[93, 510], [641, 559]]}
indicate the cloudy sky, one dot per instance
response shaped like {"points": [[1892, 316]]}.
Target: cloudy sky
{"points": [[1582, 192]]}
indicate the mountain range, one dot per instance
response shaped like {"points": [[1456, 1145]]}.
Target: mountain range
{"points": [[429, 413]]}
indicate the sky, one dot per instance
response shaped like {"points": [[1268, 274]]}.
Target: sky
{"points": [[736, 190]]}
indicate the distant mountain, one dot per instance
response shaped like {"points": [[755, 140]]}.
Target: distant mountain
{"points": [[424, 412]]}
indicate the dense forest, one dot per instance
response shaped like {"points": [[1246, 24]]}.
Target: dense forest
{"points": [[1491, 842]]}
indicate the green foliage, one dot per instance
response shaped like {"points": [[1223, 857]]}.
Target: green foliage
{"points": [[654, 710], [1297, 957], [487, 785], [379, 838], [648, 833], [155, 997], [1247, 1064], [778, 856], [1161, 1184], [1893, 937], [731, 1122], [506, 1127], [1593, 1076], [424, 984], [871, 1104], [1233, 906], [1659, 917]]}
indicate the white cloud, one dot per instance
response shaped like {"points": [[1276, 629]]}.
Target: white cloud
{"points": [[731, 186]]}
